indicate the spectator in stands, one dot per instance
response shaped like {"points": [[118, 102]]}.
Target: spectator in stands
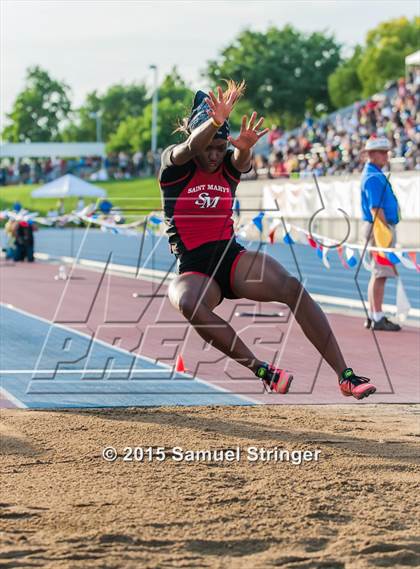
{"points": [[138, 162], [150, 161], [274, 134], [80, 204], [330, 146], [60, 206], [333, 145]]}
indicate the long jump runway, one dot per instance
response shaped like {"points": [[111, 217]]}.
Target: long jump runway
{"points": [[88, 342]]}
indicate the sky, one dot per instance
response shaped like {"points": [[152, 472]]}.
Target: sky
{"points": [[91, 44]]}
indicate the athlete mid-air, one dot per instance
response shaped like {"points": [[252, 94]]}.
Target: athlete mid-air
{"points": [[198, 179]]}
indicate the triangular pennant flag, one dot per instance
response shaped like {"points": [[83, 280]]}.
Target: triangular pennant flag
{"points": [[243, 230], [272, 230], [288, 239], [312, 242], [325, 252], [380, 258], [402, 302], [392, 258], [341, 257], [351, 257], [319, 252], [257, 221], [406, 261], [382, 234], [412, 255]]}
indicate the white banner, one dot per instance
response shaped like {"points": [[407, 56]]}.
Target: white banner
{"points": [[301, 199]]}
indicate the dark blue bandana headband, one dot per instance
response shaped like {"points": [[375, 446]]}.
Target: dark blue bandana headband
{"points": [[199, 115]]}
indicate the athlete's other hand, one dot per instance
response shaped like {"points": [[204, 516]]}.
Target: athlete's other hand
{"points": [[249, 134], [222, 105]]}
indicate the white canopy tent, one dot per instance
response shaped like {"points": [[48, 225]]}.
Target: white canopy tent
{"points": [[413, 60], [69, 186]]}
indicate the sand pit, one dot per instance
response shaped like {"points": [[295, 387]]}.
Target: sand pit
{"points": [[64, 506]]}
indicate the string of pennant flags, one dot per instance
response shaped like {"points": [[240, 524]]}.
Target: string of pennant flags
{"points": [[323, 246]]}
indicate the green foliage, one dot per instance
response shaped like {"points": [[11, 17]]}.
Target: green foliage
{"points": [[135, 133], [39, 109], [344, 85], [282, 68], [124, 194], [115, 105], [127, 136], [387, 45]]}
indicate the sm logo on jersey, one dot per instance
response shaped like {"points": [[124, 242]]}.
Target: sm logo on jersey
{"points": [[204, 200]]}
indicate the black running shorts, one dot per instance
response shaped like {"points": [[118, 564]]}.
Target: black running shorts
{"points": [[217, 259]]}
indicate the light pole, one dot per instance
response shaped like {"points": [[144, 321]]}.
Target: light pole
{"points": [[97, 116], [154, 108]]}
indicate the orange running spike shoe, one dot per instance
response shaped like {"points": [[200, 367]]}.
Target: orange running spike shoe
{"points": [[352, 385], [274, 379]]}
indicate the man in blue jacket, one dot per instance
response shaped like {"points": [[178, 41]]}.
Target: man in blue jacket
{"points": [[380, 211]]}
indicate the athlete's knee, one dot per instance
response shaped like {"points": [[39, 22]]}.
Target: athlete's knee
{"points": [[293, 291], [192, 308]]}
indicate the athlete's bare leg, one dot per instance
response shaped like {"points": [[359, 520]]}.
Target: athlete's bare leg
{"points": [[260, 277], [196, 296]]}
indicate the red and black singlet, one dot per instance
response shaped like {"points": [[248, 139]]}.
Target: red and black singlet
{"points": [[197, 204]]}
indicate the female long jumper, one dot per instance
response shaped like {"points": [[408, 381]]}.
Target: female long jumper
{"points": [[198, 179]]}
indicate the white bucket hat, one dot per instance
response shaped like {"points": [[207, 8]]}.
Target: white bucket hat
{"points": [[381, 143]]}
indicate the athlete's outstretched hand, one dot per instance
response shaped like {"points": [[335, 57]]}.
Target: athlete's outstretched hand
{"points": [[222, 105], [249, 134]]}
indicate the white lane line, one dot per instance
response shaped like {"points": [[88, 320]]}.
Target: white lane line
{"points": [[87, 371], [125, 352], [7, 395]]}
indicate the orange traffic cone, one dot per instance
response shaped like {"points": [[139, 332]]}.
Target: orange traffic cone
{"points": [[179, 365]]}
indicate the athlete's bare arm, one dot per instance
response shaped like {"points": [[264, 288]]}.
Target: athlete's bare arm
{"points": [[202, 136], [248, 137]]}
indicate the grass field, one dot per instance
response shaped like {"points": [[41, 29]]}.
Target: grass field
{"points": [[129, 195]]}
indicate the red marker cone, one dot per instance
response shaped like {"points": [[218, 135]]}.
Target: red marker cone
{"points": [[179, 365]]}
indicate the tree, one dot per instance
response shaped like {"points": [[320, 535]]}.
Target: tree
{"points": [[283, 69], [39, 109], [117, 104], [387, 45], [344, 85], [135, 133]]}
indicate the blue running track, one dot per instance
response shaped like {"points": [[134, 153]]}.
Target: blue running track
{"points": [[127, 250], [40, 379]]}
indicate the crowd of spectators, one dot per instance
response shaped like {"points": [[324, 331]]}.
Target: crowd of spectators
{"points": [[328, 146], [334, 145], [115, 166]]}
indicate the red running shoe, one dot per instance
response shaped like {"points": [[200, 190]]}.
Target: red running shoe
{"points": [[274, 379], [352, 385]]}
